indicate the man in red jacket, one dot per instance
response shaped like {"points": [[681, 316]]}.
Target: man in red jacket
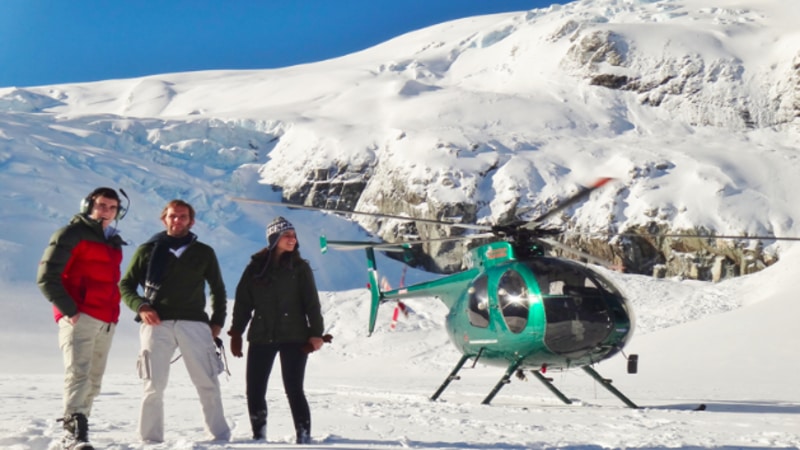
{"points": [[79, 274]]}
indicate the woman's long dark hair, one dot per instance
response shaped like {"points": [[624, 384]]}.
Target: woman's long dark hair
{"points": [[288, 259]]}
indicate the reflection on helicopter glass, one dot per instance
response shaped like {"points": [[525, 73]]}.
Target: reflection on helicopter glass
{"points": [[512, 297]]}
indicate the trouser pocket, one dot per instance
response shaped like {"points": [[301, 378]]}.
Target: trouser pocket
{"points": [[143, 365], [218, 366]]}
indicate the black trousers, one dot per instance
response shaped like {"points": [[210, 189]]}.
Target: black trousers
{"points": [[260, 359]]}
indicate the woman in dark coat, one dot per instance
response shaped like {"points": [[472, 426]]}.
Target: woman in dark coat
{"points": [[278, 297]]}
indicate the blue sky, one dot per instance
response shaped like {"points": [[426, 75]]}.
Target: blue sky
{"points": [[57, 41]]}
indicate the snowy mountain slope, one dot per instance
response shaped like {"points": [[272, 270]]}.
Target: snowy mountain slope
{"points": [[508, 112]]}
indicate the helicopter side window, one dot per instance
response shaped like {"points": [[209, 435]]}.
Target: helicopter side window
{"points": [[478, 311], [513, 299]]}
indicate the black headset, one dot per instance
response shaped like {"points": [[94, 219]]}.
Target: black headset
{"points": [[87, 203]]}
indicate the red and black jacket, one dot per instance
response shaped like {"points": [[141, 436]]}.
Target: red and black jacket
{"points": [[80, 271]]}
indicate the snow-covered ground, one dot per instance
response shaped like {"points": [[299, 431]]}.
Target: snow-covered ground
{"points": [[731, 346], [420, 102]]}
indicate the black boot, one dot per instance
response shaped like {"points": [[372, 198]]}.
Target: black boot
{"points": [[77, 428], [304, 434], [259, 424]]}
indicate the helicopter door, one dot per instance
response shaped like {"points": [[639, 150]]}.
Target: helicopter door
{"points": [[513, 300], [478, 311]]}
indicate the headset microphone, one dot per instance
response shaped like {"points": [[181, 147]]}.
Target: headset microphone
{"points": [[123, 211]]}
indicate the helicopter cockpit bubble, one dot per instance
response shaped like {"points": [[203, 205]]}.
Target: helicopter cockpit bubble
{"points": [[581, 308]]}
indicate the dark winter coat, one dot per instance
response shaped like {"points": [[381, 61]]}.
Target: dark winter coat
{"points": [[280, 302], [182, 294], [79, 271]]}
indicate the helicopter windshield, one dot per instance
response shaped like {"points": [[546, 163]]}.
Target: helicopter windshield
{"points": [[513, 300], [578, 305]]}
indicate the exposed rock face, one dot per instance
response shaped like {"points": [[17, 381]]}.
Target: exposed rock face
{"points": [[649, 250], [338, 192], [686, 81], [342, 189], [792, 102]]}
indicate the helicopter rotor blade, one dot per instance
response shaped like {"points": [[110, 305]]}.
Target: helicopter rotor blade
{"points": [[361, 245], [689, 236], [719, 236], [399, 246], [584, 192], [369, 214]]}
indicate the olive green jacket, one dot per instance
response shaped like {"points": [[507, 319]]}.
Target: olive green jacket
{"points": [[182, 292], [280, 303]]}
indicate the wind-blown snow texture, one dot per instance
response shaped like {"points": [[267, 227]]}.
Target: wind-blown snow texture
{"points": [[691, 105]]}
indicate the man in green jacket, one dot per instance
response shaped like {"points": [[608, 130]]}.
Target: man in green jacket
{"points": [[173, 268]]}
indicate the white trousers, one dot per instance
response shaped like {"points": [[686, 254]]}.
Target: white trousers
{"points": [[196, 345], [84, 347]]}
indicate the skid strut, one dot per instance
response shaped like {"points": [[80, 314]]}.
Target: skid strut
{"points": [[546, 381], [606, 383], [453, 376], [503, 381]]}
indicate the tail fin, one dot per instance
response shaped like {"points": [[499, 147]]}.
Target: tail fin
{"points": [[374, 289], [373, 284]]}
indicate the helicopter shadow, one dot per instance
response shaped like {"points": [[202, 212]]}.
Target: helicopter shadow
{"points": [[735, 407]]}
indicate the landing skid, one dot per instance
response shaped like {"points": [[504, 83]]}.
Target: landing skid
{"points": [[549, 384], [606, 383], [513, 367], [453, 376], [503, 381]]}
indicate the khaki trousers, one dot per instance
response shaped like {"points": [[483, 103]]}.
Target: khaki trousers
{"points": [[85, 348], [198, 353]]}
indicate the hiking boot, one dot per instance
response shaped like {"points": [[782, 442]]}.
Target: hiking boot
{"points": [[259, 424], [260, 434], [303, 436], [77, 428]]}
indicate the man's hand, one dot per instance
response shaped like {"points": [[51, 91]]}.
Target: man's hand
{"points": [[74, 319], [149, 315], [215, 330]]}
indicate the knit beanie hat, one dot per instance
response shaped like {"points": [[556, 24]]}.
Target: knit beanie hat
{"points": [[276, 228]]}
